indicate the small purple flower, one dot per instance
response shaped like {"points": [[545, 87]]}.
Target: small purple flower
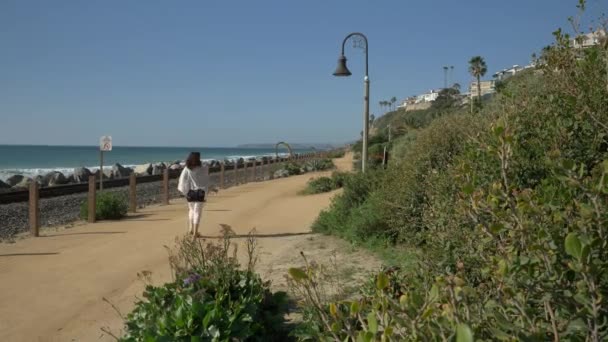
{"points": [[193, 278]]}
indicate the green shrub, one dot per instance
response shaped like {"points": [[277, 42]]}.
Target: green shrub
{"points": [[336, 154], [319, 165], [319, 185], [509, 208], [339, 178], [108, 206], [211, 299], [326, 184], [338, 218], [293, 169]]}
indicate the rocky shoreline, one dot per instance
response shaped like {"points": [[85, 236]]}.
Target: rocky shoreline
{"points": [[65, 209], [81, 175]]}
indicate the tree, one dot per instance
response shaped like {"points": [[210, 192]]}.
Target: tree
{"points": [[478, 69], [381, 103], [372, 118], [393, 101], [456, 86], [447, 98]]}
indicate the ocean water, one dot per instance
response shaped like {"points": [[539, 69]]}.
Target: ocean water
{"points": [[34, 160]]}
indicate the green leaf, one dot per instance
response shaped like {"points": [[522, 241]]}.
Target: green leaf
{"points": [[434, 293], [464, 333], [354, 308], [573, 246], [297, 274], [468, 188], [372, 323], [382, 281]]}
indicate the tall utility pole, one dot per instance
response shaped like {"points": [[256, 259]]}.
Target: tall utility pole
{"points": [[451, 75]]}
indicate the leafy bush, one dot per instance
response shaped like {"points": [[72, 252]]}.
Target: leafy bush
{"points": [[510, 209], [319, 185], [336, 154], [325, 184], [319, 165], [211, 299], [108, 206], [292, 169], [339, 178], [339, 218]]}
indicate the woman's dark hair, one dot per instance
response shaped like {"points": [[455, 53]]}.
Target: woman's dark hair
{"points": [[194, 160]]}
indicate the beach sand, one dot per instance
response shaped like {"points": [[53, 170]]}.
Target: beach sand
{"points": [[52, 288]]}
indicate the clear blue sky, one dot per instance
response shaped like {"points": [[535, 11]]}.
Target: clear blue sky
{"points": [[220, 73]]}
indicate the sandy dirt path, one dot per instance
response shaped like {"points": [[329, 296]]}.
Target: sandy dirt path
{"points": [[52, 287]]}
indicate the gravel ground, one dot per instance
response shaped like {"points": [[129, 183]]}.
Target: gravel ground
{"points": [[62, 210]]}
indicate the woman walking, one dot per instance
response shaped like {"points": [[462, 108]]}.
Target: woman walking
{"points": [[194, 183]]}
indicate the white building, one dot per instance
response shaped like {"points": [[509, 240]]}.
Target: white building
{"points": [[427, 97], [589, 39], [506, 73]]}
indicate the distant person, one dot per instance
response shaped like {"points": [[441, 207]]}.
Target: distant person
{"points": [[194, 184]]}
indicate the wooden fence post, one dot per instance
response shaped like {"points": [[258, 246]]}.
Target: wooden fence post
{"points": [[92, 199], [222, 175], [236, 172], [245, 172], [166, 186], [34, 209], [253, 172], [132, 193]]}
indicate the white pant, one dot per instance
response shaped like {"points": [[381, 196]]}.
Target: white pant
{"points": [[194, 212]]}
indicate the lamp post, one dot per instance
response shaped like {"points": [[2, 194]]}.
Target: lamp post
{"points": [[342, 70]]}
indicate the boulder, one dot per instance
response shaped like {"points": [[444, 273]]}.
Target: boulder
{"points": [[106, 174], [14, 180], [24, 184], [55, 178], [4, 186], [157, 169], [143, 170], [41, 180], [119, 171], [81, 175]]}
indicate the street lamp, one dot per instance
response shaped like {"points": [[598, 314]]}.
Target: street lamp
{"points": [[342, 70]]}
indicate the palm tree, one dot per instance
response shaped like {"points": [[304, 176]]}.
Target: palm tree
{"points": [[445, 76], [478, 68], [381, 103], [393, 100]]}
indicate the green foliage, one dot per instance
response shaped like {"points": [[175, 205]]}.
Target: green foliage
{"points": [[319, 165], [211, 299], [108, 206], [508, 206], [336, 154], [350, 213], [293, 169], [326, 184], [319, 185]]}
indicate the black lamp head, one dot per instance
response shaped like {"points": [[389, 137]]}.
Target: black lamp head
{"points": [[341, 69]]}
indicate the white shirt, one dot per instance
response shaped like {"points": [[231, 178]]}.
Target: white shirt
{"points": [[195, 179]]}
